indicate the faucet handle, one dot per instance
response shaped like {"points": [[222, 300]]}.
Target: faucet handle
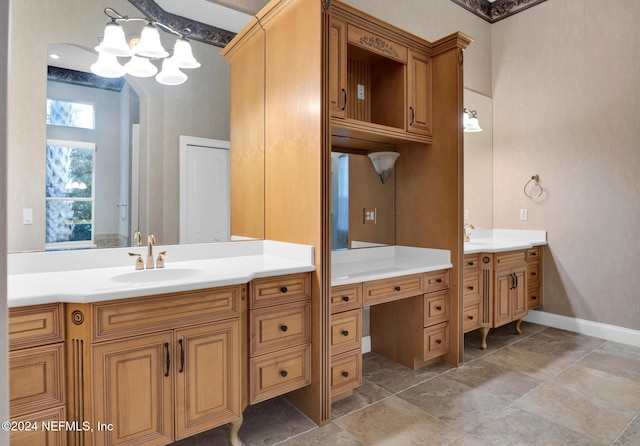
{"points": [[137, 236], [160, 259], [139, 261], [151, 240]]}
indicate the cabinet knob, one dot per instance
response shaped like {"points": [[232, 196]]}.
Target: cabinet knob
{"points": [[533, 273], [283, 373], [397, 288], [345, 374], [345, 298], [345, 332], [283, 290], [470, 263], [470, 318], [284, 328], [534, 297], [439, 308], [438, 341], [470, 287], [439, 280]]}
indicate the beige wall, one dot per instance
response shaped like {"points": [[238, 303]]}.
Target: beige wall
{"points": [[191, 109], [566, 82]]}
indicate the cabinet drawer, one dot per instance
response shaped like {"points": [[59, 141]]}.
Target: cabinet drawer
{"points": [[387, 290], [436, 308], [154, 313], [278, 327], [375, 43], [36, 325], [280, 290], [346, 297], [471, 264], [471, 289], [471, 317], [509, 259], [437, 280], [281, 372], [533, 273], [346, 372], [534, 297], [346, 331], [41, 436], [36, 379], [436, 341], [534, 253]]}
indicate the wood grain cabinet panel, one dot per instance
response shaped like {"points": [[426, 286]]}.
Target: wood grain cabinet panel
{"points": [[436, 308], [436, 281], [279, 327], [280, 290], [280, 372], [346, 331], [337, 67], [346, 297], [471, 317], [387, 290], [346, 372], [436, 341], [35, 325], [419, 118], [52, 437], [36, 379]]}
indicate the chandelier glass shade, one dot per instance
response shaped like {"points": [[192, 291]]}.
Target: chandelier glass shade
{"points": [[142, 51]]}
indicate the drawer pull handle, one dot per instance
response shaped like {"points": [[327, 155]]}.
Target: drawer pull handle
{"points": [[470, 287], [470, 263], [181, 356], [284, 328], [470, 318], [345, 374], [283, 290], [439, 280], [283, 373], [166, 347], [533, 254], [345, 332], [413, 115], [534, 297], [438, 341], [345, 298], [439, 308], [533, 273], [344, 95], [397, 288]]}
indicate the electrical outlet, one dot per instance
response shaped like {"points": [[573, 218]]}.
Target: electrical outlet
{"points": [[369, 216], [360, 91], [524, 214]]}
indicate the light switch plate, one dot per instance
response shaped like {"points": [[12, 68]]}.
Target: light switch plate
{"points": [[27, 216], [360, 91], [524, 214]]}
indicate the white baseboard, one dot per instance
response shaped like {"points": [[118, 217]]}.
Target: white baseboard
{"points": [[366, 344], [582, 326]]}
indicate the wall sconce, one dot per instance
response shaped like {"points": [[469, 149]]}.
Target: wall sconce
{"points": [[383, 163], [142, 50], [470, 121]]}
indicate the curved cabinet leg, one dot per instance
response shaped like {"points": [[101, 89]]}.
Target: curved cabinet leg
{"points": [[484, 331], [518, 322], [235, 427]]}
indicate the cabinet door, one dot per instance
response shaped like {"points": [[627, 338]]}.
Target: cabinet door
{"points": [[133, 390], [502, 307], [338, 68], [419, 93], [519, 294], [207, 370]]}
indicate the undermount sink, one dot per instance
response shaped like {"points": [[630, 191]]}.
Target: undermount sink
{"points": [[157, 275]]}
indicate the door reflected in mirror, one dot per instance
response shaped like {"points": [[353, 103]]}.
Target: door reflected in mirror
{"points": [[362, 207]]}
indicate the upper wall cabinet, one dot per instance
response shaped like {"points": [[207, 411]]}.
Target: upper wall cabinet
{"points": [[379, 87]]}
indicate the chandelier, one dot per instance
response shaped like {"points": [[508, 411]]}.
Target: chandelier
{"points": [[142, 50]]}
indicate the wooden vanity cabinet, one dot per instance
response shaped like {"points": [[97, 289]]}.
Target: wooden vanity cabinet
{"points": [[280, 335], [510, 303], [419, 93], [472, 302], [534, 277], [36, 374], [158, 368]]}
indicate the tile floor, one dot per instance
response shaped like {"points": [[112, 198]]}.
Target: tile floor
{"points": [[543, 387]]}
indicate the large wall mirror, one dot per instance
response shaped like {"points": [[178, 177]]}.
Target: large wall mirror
{"points": [[199, 108], [478, 163]]}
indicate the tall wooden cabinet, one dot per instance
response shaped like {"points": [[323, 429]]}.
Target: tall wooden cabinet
{"points": [[323, 76]]}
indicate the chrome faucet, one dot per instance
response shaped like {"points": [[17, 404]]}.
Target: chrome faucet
{"points": [[465, 233], [151, 240]]}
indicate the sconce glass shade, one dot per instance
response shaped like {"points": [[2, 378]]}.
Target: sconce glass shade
{"points": [[114, 42], [108, 66], [383, 163], [149, 45], [472, 126], [183, 56], [170, 74], [140, 67]]}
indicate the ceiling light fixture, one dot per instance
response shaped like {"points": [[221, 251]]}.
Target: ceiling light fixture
{"points": [[142, 51], [470, 121]]}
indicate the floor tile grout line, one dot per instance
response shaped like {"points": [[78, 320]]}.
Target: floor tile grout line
{"points": [[636, 417]]}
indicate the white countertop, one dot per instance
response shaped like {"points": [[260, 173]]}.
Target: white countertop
{"points": [[100, 275], [500, 240], [363, 265]]}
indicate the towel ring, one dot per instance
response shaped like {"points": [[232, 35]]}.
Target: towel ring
{"points": [[532, 188]]}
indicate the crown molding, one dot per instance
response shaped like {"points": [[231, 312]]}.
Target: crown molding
{"points": [[200, 32], [84, 79], [498, 10]]}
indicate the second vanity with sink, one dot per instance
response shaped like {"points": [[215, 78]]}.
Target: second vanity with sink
{"points": [[502, 278], [155, 356]]}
